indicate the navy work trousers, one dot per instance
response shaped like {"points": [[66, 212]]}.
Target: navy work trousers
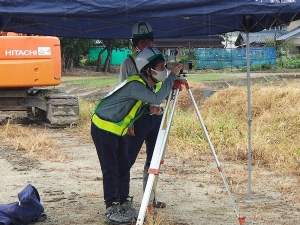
{"points": [[114, 162], [146, 129]]}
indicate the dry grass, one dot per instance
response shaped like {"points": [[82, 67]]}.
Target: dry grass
{"points": [[159, 218], [35, 143], [275, 126], [274, 131], [86, 112]]}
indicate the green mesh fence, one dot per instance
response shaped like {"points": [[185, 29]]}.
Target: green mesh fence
{"points": [[118, 55], [234, 58]]}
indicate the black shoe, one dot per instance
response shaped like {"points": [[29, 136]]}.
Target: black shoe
{"points": [[128, 210], [114, 216]]}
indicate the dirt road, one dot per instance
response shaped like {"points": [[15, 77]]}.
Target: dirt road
{"points": [[71, 191]]}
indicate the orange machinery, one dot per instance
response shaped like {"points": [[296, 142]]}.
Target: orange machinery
{"points": [[29, 67], [29, 61]]}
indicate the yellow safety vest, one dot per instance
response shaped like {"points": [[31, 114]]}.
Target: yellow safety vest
{"points": [[121, 127]]}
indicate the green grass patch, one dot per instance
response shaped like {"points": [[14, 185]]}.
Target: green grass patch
{"points": [[90, 82], [93, 82]]}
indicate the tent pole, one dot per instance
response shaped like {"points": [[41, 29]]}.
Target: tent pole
{"points": [[249, 115]]}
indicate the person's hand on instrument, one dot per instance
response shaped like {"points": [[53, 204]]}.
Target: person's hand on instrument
{"points": [[156, 110], [176, 68], [130, 131]]}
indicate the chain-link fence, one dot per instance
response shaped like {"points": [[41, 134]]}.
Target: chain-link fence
{"points": [[234, 58]]}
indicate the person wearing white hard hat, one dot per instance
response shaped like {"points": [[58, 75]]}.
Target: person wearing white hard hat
{"points": [[142, 37], [112, 117], [146, 128]]}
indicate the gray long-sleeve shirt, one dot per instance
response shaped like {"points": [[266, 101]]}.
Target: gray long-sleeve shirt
{"points": [[127, 68], [116, 106]]}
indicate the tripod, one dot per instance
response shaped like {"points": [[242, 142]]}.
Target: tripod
{"points": [[160, 147]]}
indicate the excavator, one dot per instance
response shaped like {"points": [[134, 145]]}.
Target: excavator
{"points": [[30, 71]]}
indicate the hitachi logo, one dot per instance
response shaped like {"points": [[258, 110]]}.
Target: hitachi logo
{"points": [[20, 52]]}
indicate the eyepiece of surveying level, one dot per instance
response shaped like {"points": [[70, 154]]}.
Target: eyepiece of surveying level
{"points": [[186, 66]]}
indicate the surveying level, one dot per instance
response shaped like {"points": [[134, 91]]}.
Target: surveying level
{"points": [[160, 147]]}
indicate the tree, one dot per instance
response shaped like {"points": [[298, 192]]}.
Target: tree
{"points": [[270, 42], [285, 48], [110, 45], [72, 49], [190, 56], [99, 60]]}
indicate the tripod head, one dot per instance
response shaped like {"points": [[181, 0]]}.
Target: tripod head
{"points": [[181, 76], [180, 80]]}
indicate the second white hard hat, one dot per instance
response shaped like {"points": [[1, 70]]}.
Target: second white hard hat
{"points": [[142, 29]]}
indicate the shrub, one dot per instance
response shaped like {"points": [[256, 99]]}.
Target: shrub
{"points": [[90, 63]]}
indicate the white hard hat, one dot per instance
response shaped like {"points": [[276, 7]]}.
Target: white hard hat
{"points": [[146, 55], [142, 29]]}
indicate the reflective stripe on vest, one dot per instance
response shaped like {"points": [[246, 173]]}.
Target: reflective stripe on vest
{"points": [[121, 127], [157, 86]]}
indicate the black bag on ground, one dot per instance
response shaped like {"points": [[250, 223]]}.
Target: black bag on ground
{"points": [[28, 209]]}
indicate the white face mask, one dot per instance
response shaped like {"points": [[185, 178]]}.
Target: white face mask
{"points": [[160, 75]]}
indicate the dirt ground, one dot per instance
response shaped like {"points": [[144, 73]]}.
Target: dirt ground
{"points": [[71, 191]]}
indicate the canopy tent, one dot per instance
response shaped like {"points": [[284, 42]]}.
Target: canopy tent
{"points": [[169, 18]]}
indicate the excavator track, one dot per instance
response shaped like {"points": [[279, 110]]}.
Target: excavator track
{"points": [[52, 107]]}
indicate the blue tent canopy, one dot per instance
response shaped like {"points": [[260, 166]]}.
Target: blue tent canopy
{"points": [[114, 19]]}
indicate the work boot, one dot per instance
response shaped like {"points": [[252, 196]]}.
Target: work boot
{"points": [[113, 215], [128, 210], [156, 203]]}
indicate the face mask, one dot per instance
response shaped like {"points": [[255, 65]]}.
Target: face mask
{"points": [[160, 75]]}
